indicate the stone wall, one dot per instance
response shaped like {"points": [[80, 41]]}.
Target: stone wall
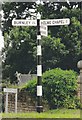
{"points": [[25, 102]]}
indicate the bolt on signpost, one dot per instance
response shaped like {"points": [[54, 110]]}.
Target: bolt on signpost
{"points": [[41, 31]]}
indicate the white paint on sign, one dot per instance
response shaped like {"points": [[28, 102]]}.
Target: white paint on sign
{"points": [[7, 91], [39, 70], [10, 90], [22, 22], [39, 50], [49, 22], [53, 22], [39, 90], [44, 30]]}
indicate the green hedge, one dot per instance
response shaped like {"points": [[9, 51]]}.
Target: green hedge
{"points": [[59, 88]]}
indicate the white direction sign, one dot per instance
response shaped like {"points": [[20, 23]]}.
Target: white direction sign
{"points": [[49, 22], [10, 90], [44, 30], [23, 22], [53, 22]]}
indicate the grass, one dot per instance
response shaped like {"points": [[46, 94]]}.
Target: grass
{"points": [[58, 113]]}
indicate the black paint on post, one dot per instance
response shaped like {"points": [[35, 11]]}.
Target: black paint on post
{"points": [[39, 106]]}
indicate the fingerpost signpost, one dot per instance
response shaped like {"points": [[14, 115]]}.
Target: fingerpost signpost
{"points": [[42, 30]]}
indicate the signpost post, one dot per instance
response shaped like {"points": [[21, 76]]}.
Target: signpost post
{"points": [[39, 67], [41, 30]]}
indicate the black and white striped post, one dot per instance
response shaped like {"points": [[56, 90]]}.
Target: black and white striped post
{"points": [[43, 28], [39, 106]]}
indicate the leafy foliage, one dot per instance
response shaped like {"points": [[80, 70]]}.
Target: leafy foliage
{"points": [[59, 88], [15, 10], [19, 49], [53, 51], [62, 48]]}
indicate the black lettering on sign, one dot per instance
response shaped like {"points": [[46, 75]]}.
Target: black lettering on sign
{"points": [[61, 21], [43, 22], [19, 22], [44, 28], [23, 22], [48, 22], [53, 22], [29, 22], [58, 21]]}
